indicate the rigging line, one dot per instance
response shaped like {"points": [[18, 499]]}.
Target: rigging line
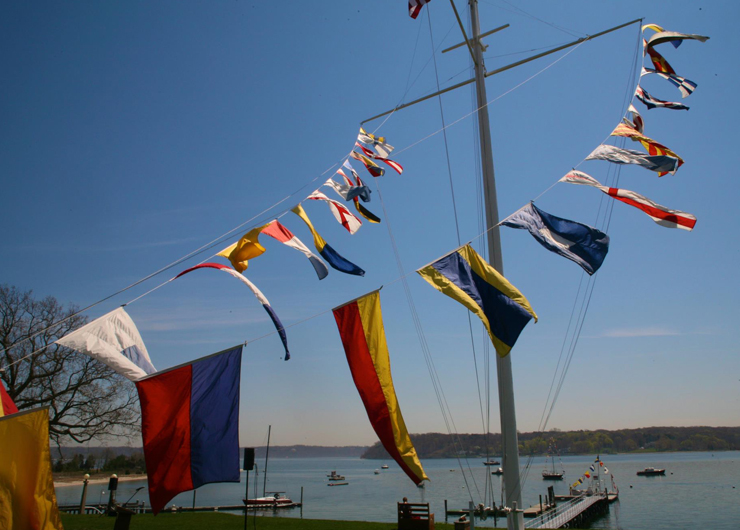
{"points": [[452, 191], [607, 209], [444, 134], [495, 99], [434, 50], [519, 11], [199, 250], [441, 399], [523, 51]]}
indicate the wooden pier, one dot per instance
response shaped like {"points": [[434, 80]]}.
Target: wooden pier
{"points": [[574, 513]]}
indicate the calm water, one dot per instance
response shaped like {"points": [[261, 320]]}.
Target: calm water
{"points": [[697, 490]]}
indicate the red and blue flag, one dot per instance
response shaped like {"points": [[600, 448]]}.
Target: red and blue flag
{"points": [[190, 425]]}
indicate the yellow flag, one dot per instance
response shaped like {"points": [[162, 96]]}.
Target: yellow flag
{"points": [[246, 248], [27, 500]]}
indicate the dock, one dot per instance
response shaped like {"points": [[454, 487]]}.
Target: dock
{"points": [[575, 512]]}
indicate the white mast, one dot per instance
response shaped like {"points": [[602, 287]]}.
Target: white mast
{"points": [[509, 438]]}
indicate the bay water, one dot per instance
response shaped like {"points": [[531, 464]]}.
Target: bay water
{"points": [[699, 490]]}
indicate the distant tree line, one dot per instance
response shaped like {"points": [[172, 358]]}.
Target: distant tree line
{"points": [[658, 439], [120, 464]]}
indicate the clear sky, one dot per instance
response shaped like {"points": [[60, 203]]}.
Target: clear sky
{"points": [[135, 132]]}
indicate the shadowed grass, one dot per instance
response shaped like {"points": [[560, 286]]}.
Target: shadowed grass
{"points": [[222, 521]]}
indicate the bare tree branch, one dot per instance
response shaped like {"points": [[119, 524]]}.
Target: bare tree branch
{"points": [[86, 399]]}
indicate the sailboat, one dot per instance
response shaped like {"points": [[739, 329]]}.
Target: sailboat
{"points": [[551, 474], [269, 499]]}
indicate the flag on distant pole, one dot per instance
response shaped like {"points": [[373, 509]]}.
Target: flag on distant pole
{"points": [[415, 7], [190, 425], [27, 498]]}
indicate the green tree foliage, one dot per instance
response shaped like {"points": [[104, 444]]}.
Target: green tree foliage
{"points": [[436, 445]]}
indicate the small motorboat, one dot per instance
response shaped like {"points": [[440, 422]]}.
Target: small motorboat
{"points": [[491, 463], [335, 476], [384, 466], [498, 471], [270, 501], [648, 471], [377, 471]]}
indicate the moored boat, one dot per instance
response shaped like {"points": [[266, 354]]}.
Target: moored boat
{"points": [[335, 476], [270, 501], [552, 474], [491, 463], [648, 471]]}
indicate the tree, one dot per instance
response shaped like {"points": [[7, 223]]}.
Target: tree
{"points": [[86, 399]]}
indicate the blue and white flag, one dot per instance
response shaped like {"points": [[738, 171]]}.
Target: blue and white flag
{"points": [[114, 340], [652, 102], [685, 86], [581, 243]]}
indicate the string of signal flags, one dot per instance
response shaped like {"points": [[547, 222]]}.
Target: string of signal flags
{"points": [[204, 394]]}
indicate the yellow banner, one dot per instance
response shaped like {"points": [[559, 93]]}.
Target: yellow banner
{"points": [[27, 500]]}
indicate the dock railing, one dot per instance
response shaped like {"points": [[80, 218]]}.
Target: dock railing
{"points": [[565, 512]]}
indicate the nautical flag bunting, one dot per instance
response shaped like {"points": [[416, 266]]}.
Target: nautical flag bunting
{"points": [[652, 102], [685, 86], [580, 243], [257, 293], [660, 214], [248, 247], [636, 121], [661, 65], [398, 168], [674, 38], [415, 7], [285, 236], [331, 256], [616, 155], [374, 169], [653, 147], [343, 216], [376, 142]]}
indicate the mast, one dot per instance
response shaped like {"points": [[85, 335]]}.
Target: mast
{"points": [[267, 455], [509, 437]]}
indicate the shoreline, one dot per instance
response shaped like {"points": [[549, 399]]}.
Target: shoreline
{"points": [[78, 480]]}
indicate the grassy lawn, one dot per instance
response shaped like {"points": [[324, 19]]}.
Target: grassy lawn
{"points": [[221, 521]]}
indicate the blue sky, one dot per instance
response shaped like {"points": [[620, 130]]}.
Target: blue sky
{"points": [[134, 133]]}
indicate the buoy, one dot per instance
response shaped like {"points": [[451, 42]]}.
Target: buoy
{"points": [[630, 485]]}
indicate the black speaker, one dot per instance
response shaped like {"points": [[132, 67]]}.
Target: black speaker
{"points": [[248, 458]]}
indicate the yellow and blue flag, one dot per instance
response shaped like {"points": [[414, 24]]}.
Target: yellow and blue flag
{"points": [[464, 276], [331, 256]]}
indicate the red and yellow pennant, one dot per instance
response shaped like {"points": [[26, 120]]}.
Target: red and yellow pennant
{"points": [[360, 324]]}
